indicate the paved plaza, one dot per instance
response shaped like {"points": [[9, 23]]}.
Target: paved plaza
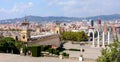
{"points": [[90, 52], [18, 58], [90, 55]]}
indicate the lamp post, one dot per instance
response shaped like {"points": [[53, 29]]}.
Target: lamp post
{"points": [[81, 56]]}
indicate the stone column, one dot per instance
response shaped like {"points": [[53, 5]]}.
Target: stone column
{"points": [[98, 43], [93, 43], [108, 37], [103, 42]]}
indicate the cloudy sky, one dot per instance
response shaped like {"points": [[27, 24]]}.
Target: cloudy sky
{"points": [[70, 8]]}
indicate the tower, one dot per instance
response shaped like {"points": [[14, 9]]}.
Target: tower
{"points": [[100, 28], [105, 28], [92, 23], [38, 29], [25, 34], [99, 21], [57, 28]]}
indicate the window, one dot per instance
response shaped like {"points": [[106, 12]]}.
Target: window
{"points": [[57, 32], [23, 36]]}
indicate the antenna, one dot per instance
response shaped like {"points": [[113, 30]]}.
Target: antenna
{"points": [[25, 18]]}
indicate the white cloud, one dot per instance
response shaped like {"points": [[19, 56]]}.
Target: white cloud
{"points": [[52, 2], [21, 7], [17, 8], [68, 3], [86, 7], [3, 10]]}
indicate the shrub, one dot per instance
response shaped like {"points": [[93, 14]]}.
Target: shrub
{"points": [[56, 52], [65, 54], [51, 50], [36, 51], [9, 45], [2, 49], [46, 48], [25, 49], [42, 48], [15, 51]]}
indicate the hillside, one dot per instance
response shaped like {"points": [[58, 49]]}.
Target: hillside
{"points": [[60, 19]]}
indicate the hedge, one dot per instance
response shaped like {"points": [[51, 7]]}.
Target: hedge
{"points": [[65, 54], [4, 50], [74, 49], [36, 51], [56, 52], [77, 50]]}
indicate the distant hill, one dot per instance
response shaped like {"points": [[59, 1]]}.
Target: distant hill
{"points": [[60, 19], [105, 17]]}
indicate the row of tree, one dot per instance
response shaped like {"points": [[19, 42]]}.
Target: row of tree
{"points": [[8, 44], [75, 36]]}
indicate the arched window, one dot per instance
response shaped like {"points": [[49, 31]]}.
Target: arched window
{"points": [[23, 36], [57, 32]]}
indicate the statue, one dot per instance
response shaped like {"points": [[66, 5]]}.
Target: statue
{"points": [[81, 58]]}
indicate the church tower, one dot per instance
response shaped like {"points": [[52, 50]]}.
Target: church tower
{"points": [[25, 33]]}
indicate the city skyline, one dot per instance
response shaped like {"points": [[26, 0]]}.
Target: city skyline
{"points": [[69, 8]]}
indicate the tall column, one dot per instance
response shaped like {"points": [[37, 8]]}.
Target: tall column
{"points": [[103, 42], [93, 39], [108, 37], [98, 43]]}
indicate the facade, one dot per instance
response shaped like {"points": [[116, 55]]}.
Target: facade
{"points": [[34, 37], [57, 28], [38, 29], [25, 33]]}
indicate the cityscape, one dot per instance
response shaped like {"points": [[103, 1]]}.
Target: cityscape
{"points": [[47, 31]]}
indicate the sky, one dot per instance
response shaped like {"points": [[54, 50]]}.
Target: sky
{"points": [[69, 8]]}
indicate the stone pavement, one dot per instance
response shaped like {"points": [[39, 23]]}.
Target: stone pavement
{"points": [[90, 52], [18, 58]]}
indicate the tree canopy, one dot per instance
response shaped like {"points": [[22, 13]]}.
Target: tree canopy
{"points": [[75, 36], [111, 53], [8, 43]]}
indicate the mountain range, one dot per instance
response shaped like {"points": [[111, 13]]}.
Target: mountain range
{"points": [[40, 19]]}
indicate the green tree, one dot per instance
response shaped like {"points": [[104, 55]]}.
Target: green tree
{"points": [[75, 36], [8, 43], [111, 53]]}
